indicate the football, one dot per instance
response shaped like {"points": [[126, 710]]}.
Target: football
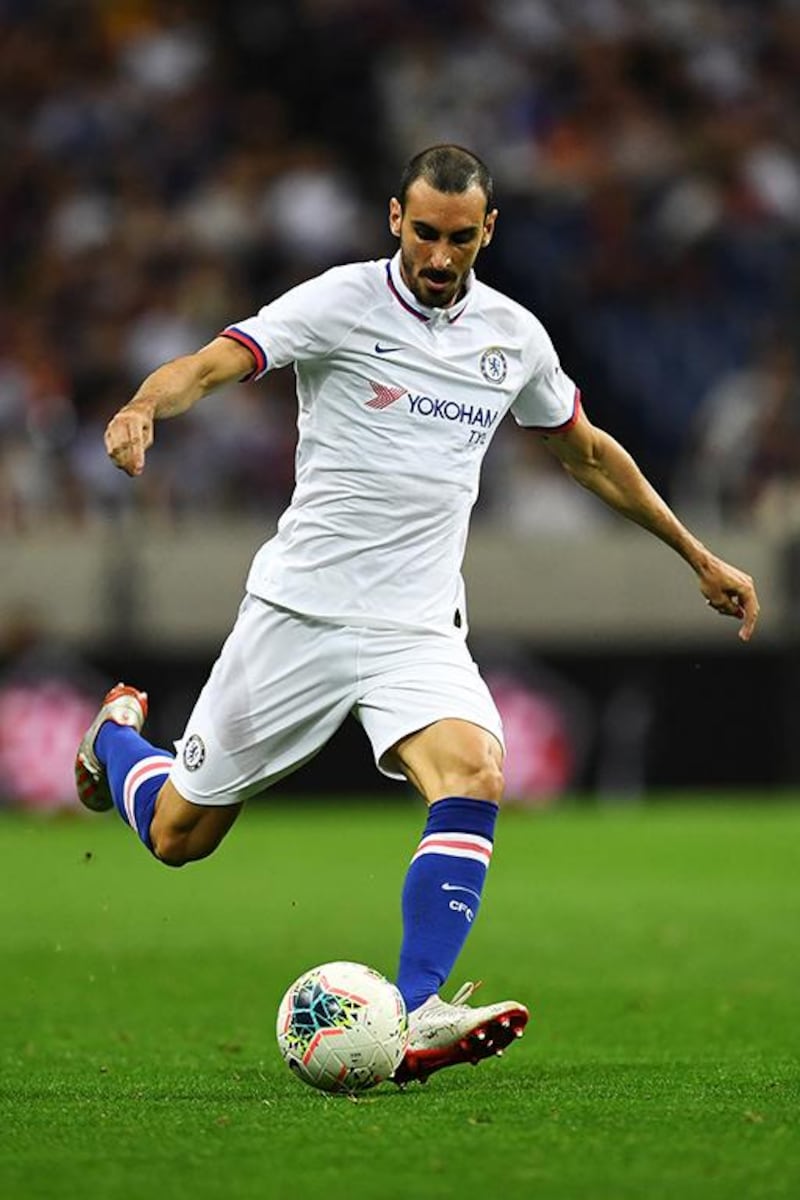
{"points": [[342, 1027]]}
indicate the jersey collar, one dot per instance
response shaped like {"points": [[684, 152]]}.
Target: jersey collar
{"points": [[432, 316]]}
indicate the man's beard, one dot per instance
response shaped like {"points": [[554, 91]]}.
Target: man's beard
{"points": [[431, 299]]}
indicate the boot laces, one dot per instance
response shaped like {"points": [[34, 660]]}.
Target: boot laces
{"points": [[465, 992]]}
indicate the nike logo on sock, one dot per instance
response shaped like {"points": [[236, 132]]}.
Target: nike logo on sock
{"points": [[454, 887]]}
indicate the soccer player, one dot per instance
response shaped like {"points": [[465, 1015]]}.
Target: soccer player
{"points": [[405, 369]]}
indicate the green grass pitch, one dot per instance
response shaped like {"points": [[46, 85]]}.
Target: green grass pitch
{"points": [[657, 947]]}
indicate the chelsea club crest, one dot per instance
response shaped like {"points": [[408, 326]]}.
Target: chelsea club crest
{"points": [[194, 753], [494, 366]]}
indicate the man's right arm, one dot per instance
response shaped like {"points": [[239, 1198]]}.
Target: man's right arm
{"points": [[169, 391]]}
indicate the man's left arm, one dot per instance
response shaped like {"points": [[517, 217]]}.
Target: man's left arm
{"points": [[595, 460]]}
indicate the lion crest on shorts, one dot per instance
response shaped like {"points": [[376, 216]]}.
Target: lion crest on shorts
{"points": [[194, 752]]}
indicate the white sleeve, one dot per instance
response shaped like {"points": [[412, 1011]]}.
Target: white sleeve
{"points": [[550, 400], [299, 325]]}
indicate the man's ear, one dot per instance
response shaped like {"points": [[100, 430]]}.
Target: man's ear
{"points": [[395, 216], [488, 227]]}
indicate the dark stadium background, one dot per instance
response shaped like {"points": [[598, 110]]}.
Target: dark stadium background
{"points": [[169, 167], [165, 168]]}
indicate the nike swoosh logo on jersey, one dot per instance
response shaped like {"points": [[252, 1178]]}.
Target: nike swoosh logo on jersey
{"points": [[379, 349]]}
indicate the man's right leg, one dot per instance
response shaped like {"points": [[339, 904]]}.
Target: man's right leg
{"points": [[182, 832], [280, 688], [117, 766]]}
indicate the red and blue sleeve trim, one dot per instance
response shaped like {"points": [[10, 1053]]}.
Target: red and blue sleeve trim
{"points": [[244, 339], [565, 426]]}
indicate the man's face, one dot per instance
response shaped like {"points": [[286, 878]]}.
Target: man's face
{"points": [[440, 236]]}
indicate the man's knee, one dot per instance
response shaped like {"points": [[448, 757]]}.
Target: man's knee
{"points": [[478, 778], [484, 781], [453, 758], [175, 847], [170, 848], [172, 829], [182, 832]]}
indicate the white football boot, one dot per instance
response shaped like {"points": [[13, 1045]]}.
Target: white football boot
{"points": [[443, 1035], [124, 705]]}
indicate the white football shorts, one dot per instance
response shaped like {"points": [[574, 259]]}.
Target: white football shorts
{"points": [[284, 683]]}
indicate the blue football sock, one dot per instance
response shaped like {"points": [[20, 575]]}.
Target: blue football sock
{"points": [[442, 893], [136, 772]]}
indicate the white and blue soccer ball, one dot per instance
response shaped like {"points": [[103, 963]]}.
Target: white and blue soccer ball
{"points": [[342, 1027]]}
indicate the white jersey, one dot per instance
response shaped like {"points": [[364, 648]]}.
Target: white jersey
{"points": [[397, 406]]}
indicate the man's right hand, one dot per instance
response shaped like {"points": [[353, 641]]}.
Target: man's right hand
{"points": [[128, 437], [169, 391]]}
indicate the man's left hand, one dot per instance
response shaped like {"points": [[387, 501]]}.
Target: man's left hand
{"points": [[730, 592]]}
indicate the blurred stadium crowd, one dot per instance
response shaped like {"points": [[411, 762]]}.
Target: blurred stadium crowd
{"points": [[169, 167]]}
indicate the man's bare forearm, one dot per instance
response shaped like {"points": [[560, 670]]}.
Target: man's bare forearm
{"points": [[615, 479], [595, 460], [173, 388], [169, 391]]}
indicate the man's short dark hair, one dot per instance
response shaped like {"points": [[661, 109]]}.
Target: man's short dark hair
{"points": [[448, 168]]}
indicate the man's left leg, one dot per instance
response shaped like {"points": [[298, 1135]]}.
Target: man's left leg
{"points": [[457, 766]]}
